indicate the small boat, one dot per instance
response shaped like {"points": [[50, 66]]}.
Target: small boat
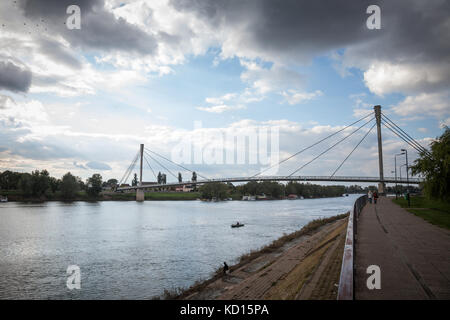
{"points": [[237, 225]]}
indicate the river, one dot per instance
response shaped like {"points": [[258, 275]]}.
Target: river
{"points": [[131, 250]]}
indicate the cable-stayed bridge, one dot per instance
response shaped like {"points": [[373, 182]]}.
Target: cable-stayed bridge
{"points": [[373, 119]]}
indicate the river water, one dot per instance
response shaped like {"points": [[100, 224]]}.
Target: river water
{"points": [[130, 250]]}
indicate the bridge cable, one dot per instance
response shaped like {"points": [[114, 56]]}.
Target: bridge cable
{"points": [[331, 147], [312, 145], [387, 125], [150, 167], [404, 134], [161, 165], [179, 165], [132, 168], [126, 174], [353, 150]]}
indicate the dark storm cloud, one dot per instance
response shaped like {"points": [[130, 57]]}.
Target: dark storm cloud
{"points": [[98, 165], [14, 77], [99, 28], [301, 29]]}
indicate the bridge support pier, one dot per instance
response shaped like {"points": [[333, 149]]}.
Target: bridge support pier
{"points": [[381, 184], [140, 196]]}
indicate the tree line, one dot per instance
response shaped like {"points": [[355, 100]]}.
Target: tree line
{"points": [[275, 190], [39, 184]]}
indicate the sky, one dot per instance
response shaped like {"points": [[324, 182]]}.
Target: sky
{"points": [[171, 73]]}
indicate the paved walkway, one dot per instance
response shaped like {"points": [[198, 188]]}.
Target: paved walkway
{"points": [[413, 255]]}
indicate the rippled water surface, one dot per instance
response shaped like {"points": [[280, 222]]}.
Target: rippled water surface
{"points": [[130, 250]]}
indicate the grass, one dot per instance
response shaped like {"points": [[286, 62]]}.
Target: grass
{"points": [[200, 285], [434, 211], [172, 195]]}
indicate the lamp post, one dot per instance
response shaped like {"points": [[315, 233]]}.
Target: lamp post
{"points": [[395, 164], [407, 176], [400, 168]]}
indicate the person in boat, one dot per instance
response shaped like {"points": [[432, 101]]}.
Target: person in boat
{"points": [[225, 268]]}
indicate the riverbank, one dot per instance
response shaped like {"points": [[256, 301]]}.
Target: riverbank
{"points": [[14, 196], [302, 265]]}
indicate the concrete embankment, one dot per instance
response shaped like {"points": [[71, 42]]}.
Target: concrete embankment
{"points": [[302, 265]]}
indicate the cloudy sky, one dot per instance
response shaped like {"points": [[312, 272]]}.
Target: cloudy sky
{"points": [[152, 72]]}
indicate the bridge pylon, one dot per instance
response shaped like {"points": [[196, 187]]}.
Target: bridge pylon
{"points": [[140, 195], [381, 184]]}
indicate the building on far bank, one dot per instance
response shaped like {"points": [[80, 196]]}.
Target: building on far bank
{"points": [[184, 188]]}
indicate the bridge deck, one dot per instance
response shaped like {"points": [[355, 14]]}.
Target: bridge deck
{"points": [[413, 255], [280, 178]]}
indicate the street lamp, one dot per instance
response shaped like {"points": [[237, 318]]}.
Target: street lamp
{"points": [[395, 164], [407, 176]]}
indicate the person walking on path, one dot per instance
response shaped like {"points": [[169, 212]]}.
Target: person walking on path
{"points": [[369, 196], [375, 197]]}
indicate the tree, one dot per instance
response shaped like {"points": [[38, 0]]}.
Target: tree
{"points": [[69, 186], [216, 190], [194, 177], [54, 184], [435, 167], [135, 180], [9, 180], [163, 178], [180, 178], [40, 182], [112, 182], [25, 184], [159, 178], [94, 185], [81, 184]]}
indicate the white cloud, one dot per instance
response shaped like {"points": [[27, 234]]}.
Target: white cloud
{"points": [[296, 97], [432, 104], [222, 99], [265, 80], [221, 108], [386, 77]]}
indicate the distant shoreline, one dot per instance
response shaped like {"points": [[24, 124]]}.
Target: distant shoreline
{"points": [[150, 196]]}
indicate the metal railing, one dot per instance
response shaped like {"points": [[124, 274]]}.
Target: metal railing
{"points": [[346, 280]]}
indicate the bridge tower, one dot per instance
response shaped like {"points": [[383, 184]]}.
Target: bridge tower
{"points": [[140, 195], [381, 184]]}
